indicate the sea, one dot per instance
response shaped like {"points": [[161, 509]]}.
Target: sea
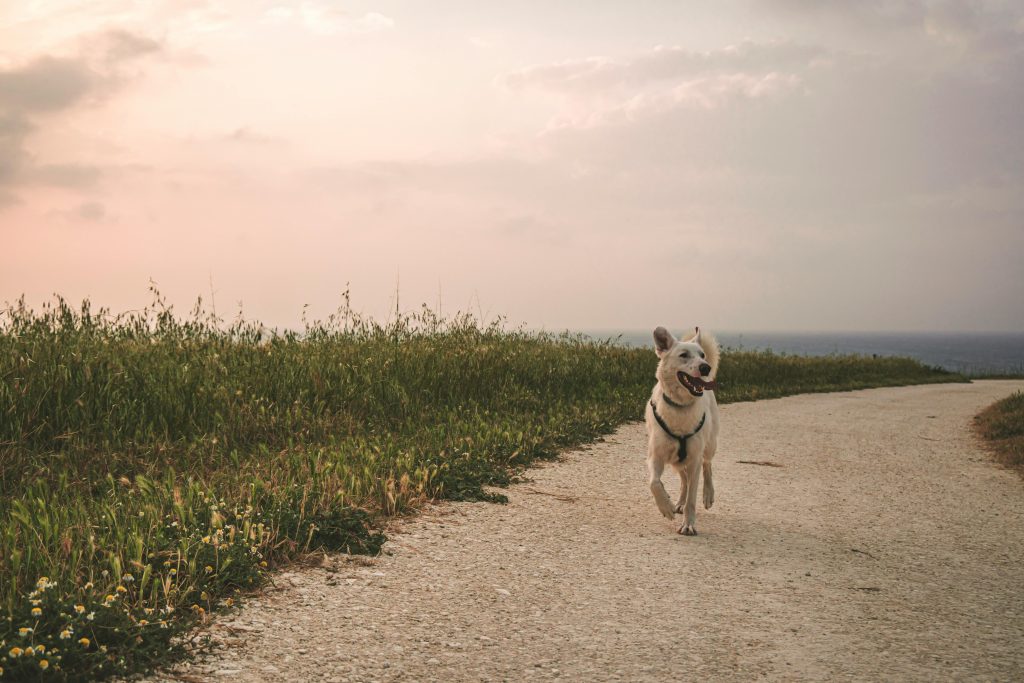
{"points": [[966, 352]]}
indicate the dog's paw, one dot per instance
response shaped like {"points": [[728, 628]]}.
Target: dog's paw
{"points": [[709, 497], [688, 530], [681, 507], [669, 514]]}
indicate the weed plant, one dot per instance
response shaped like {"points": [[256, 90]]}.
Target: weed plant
{"points": [[1002, 426], [154, 466]]}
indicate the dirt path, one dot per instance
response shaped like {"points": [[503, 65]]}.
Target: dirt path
{"points": [[886, 546]]}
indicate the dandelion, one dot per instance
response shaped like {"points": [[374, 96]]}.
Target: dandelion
{"points": [[43, 664], [14, 652], [84, 642], [37, 612], [65, 634], [80, 609]]}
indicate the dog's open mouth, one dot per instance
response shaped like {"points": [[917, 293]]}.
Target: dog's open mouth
{"points": [[695, 385]]}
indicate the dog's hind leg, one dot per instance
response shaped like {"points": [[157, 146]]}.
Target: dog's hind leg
{"points": [[709, 485], [681, 503], [654, 468], [692, 478]]}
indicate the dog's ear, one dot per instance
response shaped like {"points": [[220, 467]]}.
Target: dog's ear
{"points": [[663, 341]]}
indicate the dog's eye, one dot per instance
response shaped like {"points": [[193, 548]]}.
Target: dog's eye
{"points": [[701, 354], [684, 354]]}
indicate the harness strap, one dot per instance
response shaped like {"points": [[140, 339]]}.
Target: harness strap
{"points": [[680, 439]]}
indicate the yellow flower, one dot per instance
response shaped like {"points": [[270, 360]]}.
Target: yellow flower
{"points": [[80, 609], [29, 651], [43, 664], [206, 539], [41, 583], [209, 569], [204, 596], [36, 612], [263, 563], [142, 622], [122, 589], [65, 634], [88, 585], [173, 572], [84, 642], [15, 652], [24, 631], [103, 648]]}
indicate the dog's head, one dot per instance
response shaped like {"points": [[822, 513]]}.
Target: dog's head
{"points": [[687, 368]]}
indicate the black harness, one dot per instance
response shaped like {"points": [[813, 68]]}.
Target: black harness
{"points": [[680, 439]]}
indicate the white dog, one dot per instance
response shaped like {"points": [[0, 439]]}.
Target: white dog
{"points": [[682, 421]]}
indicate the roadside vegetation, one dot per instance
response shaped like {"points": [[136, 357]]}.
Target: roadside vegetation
{"points": [[1002, 427], [154, 466]]}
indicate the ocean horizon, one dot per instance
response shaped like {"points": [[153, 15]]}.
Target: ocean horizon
{"points": [[971, 353]]}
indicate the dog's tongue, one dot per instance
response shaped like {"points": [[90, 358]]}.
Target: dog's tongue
{"points": [[705, 383]]}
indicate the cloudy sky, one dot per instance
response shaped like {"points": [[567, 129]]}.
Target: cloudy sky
{"points": [[772, 165]]}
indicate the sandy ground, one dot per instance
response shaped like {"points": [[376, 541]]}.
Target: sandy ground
{"points": [[885, 546]]}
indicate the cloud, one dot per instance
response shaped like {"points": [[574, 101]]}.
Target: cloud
{"points": [[600, 91], [45, 84], [90, 211], [36, 91], [119, 45], [326, 19], [664, 64]]}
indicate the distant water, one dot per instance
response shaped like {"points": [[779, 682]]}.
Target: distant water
{"points": [[961, 352]]}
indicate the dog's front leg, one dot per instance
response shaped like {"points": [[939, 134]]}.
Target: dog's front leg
{"points": [[655, 467], [692, 477]]}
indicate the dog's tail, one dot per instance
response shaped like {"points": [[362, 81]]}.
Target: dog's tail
{"points": [[712, 353]]}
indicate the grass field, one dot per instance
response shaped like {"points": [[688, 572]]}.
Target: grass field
{"points": [[1002, 426], [155, 466]]}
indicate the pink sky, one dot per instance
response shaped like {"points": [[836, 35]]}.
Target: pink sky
{"points": [[778, 165]]}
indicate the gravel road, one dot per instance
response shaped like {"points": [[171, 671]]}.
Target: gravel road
{"points": [[883, 545]]}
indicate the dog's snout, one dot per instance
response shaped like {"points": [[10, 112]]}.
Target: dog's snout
{"points": [[705, 369]]}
